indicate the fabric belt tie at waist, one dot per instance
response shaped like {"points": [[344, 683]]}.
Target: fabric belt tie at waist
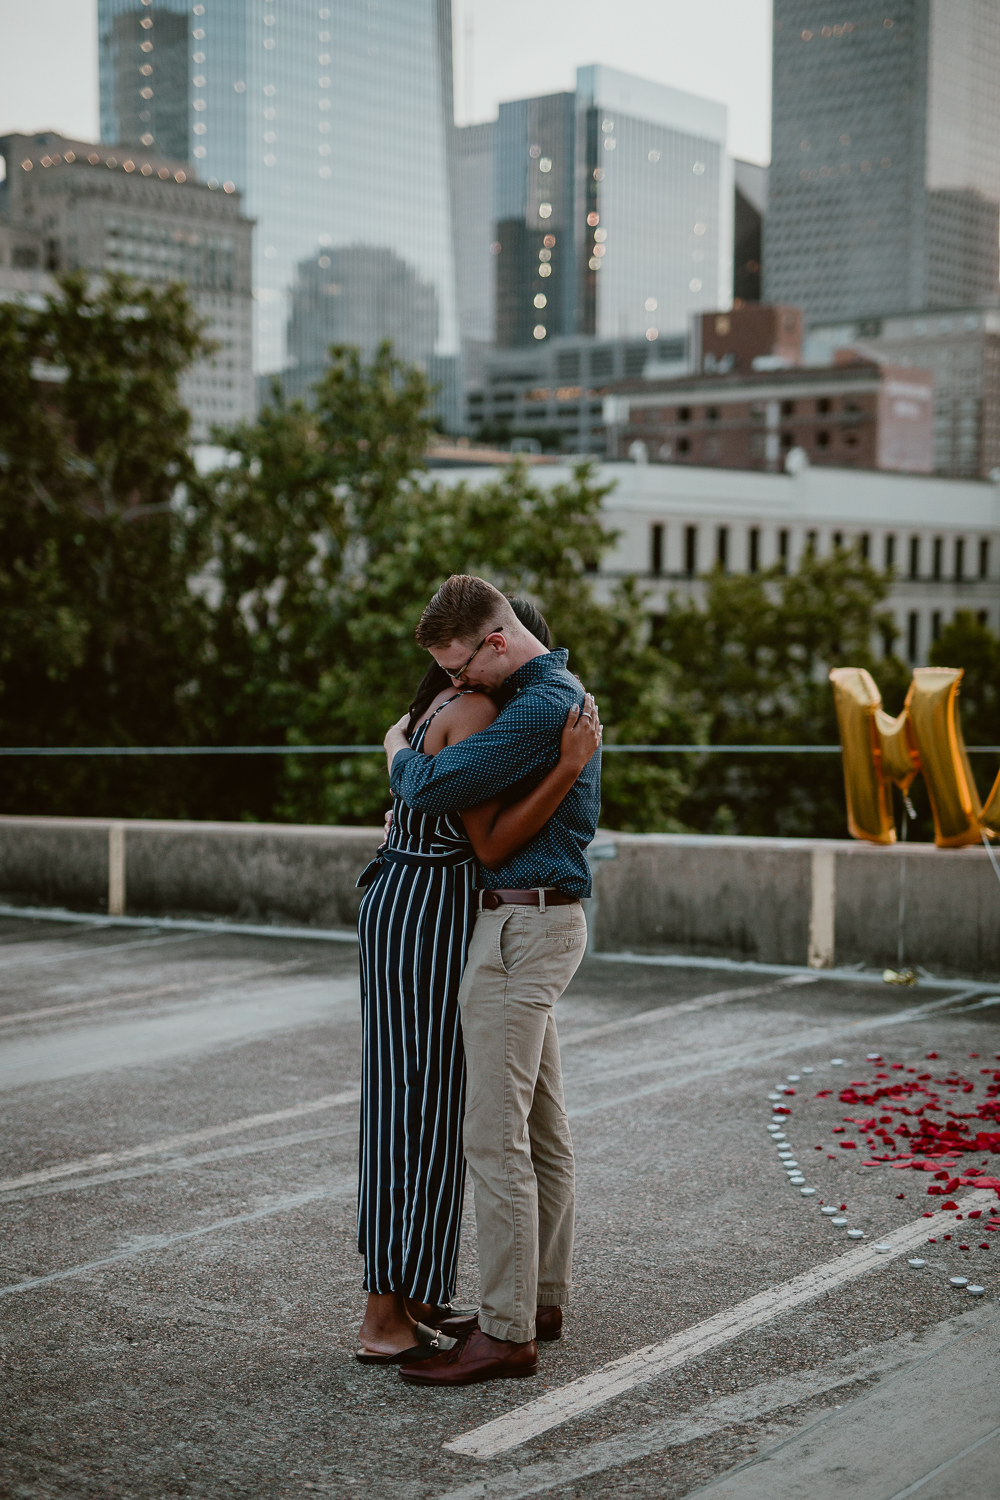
{"points": [[405, 857], [490, 900], [432, 861]]}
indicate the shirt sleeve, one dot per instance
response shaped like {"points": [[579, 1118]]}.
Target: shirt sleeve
{"points": [[523, 742]]}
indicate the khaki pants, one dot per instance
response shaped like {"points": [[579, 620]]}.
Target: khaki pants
{"points": [[517, 1140]]}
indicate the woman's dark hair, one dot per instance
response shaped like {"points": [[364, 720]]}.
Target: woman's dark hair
{"points": [[436, 679]]}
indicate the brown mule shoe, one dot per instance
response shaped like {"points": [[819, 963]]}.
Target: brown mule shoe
{"points": [[478, 1358], [548, 1325]]}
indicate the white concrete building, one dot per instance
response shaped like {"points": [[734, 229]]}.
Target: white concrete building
{"points": [[942, 536]]}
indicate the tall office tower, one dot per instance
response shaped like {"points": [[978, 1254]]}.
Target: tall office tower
{"points": [[613, 211], [67, 205], [475, 258], [885, 173], [335, 122], [749, 208]]}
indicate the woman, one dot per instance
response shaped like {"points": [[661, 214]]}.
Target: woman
{"points": [[414, 926]]}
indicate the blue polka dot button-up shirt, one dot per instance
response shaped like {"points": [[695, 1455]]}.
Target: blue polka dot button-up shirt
{"points": [[517, 751]]}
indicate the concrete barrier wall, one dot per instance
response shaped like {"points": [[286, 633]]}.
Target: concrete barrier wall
{"points": [[785, 901], [252, 872], [797, 901]]}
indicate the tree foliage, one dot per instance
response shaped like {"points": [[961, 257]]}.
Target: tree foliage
{"points": [[273, 600]]}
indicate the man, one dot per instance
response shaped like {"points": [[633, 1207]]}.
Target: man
{"points": [[529, 938]]}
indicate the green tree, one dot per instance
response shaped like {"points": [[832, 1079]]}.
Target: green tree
{"points": [[752, 662], [324, 539], [966, 642], [97, 628]]}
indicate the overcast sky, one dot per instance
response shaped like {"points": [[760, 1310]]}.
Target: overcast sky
{"points": [[504, 49]]}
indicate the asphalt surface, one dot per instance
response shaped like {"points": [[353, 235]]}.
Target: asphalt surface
{"points": [[180, 1287]]}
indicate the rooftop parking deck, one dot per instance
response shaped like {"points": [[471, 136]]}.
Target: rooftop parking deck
{"points": [[180, 1289]]}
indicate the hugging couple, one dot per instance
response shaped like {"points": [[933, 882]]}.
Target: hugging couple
{"points": [[471, 928]]}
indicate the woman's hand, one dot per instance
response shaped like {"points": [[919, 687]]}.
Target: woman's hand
{"points": [[387, 826], [395, 738], [581, 735]]}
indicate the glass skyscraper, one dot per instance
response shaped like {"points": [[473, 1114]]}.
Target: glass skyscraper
{"points": [[612, 211], [335, 122], [884, 193]]}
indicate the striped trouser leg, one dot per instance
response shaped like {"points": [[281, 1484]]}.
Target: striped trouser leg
{"points": [[413, 927]]}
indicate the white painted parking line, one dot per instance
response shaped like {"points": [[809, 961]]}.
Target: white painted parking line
{"points": [[104, 950], [902, 1353], [621, 1375], [164, 1241], [664, 1012], [173, 1142], [690, 1068], [187, 1163], [137, 1040], [211, 987]]}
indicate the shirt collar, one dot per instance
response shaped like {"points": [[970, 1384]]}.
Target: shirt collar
{"points": [[534, 670]]}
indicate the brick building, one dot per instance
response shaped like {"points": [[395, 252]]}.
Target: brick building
{"points": [[854, 414]]}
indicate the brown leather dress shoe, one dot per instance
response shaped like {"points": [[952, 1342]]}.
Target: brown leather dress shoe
{"points": [[478, 1358], [548, 1325]]}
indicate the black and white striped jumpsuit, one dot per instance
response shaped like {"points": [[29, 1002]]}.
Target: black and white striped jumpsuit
{"points": [[414, 927]]}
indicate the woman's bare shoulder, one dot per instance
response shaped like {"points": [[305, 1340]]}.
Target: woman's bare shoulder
{"points": [[471, 713], [465, 715]]}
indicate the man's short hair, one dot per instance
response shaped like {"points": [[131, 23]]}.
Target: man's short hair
{"points": [[464, 609]]}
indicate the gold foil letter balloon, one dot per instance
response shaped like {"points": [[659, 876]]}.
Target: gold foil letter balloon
{"points": [[926, 737]]}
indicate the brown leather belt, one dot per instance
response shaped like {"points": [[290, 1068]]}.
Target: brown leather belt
{"points": [[490, 900]]}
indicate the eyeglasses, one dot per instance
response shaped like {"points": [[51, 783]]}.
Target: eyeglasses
{"points": [[461, 671]]}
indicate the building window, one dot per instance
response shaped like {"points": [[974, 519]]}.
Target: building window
{"points": [[783, 550], [938, 563], [823, 405], [822, 439], [684, 414], [838, 540], [712, 413], [936, 625], [959, 558], [656, 549], [864, 545], [890, 551], [912, 635], [753, 549], [984, 557], [787, 441], [683, 445], [914, 557], [811, 541], [690, 550], [788, 408], [722, 547]]}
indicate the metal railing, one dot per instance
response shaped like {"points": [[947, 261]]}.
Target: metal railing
{"points": [[119, 750]]}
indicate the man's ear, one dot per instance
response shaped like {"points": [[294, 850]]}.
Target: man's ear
{"points": [[501, 649]]}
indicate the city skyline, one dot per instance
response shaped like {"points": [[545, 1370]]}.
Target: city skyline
{"points": [[721, 50], [335, 125]]}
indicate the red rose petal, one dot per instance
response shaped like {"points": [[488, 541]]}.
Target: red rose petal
{"points": [[927, 1216], [843, 1208], [949, 1204], [975, 1213], [984, 1246], [900, 1195], [847, 1146], [946, 1236], [930, 1054]]}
